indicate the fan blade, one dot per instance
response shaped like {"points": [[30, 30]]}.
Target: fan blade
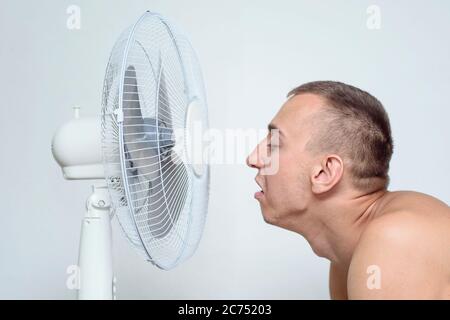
{"points": [[148, 145], [164, 113]]}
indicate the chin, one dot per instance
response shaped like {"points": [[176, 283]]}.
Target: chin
{"points": [[270, 216]]}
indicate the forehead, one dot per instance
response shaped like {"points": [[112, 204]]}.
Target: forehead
{"points": [[296, 111]]}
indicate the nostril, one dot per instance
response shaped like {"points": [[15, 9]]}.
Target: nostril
{"points": [[252, 160], [247, 161], [251, 163]]}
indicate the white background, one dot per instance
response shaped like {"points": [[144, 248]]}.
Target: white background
{"points": [[252, 53]]}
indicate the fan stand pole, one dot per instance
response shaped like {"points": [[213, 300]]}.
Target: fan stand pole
{"points": [[95, 256]]}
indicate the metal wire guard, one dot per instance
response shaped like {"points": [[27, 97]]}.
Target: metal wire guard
{"points": [[151, 78]]}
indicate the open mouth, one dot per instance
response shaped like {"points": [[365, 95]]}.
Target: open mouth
{"points": [[260, 193]]}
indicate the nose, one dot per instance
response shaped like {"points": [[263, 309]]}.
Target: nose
{"points": [[254, 160]]}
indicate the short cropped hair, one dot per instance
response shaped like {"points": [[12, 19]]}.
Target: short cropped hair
{"points": [[356, 126]]}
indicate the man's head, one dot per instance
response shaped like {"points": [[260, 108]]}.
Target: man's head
{"points": [[333, 138]]}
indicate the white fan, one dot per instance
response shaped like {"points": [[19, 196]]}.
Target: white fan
{"points": [[154, 169]]}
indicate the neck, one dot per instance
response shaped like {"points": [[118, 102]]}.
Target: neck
{"points": [[333, 226]]}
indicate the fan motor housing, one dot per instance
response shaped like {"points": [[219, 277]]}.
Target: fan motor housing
{"points": [[77, 148]]}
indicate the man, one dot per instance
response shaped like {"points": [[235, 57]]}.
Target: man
{"points": [[332, 144]]}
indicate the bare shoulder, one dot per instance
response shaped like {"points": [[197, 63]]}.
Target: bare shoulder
{"points": [[404, 252], [413, 201]]}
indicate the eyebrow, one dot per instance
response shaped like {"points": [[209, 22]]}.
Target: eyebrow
{"points": [[272, 126]]}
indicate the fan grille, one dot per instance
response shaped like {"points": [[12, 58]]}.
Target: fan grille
{"points": [[151, 78]]}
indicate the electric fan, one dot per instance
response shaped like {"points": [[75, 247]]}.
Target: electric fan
{"points": [[144, 147]]}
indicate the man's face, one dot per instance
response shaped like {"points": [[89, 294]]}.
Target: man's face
{"points": [[287, 191]]}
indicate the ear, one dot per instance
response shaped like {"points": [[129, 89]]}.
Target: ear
{"points": [[327, 174]]}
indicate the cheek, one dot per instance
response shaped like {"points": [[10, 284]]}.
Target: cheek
{"points": [[279, 185], [290, 179]]}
